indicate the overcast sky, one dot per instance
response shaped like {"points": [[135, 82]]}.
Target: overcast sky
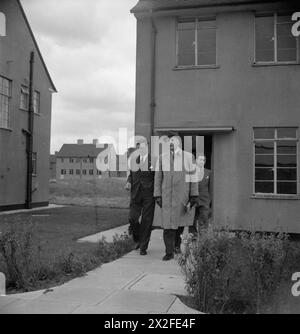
{"points": [[89, 49]]}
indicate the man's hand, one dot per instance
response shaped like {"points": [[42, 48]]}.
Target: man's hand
{"points": [[193, 201], [128, 186], [158, 201]]}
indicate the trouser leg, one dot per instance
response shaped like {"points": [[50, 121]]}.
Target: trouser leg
{"points": [[147, 221], [169, 239], [134, 216], [178, 234], [203, 218], [193, 229]]}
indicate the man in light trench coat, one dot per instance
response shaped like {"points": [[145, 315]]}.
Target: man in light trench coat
{"points": [[175, 193]]}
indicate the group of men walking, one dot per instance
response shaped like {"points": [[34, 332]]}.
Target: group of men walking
{"points": [[171, 193]]}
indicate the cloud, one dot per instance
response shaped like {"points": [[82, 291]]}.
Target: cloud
{"points": [[89, 48]]}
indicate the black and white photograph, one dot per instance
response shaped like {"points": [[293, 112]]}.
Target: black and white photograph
{"points": [[149, 159]]}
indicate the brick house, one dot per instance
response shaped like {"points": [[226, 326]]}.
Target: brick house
{"points": [[78, 162], [227, 71], [26, 90]]}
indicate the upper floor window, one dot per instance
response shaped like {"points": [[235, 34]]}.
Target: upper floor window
{"points": [[2, 25], [5, 92], [274, 42], [196, 42], [36, 102], [24, 98], [276, 161]]}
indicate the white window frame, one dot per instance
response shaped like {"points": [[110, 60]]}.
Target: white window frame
{"points": [[275, 23], [275, 140], [8, 97], [197, 19], [2, 25], [37, 102], [24, 92]]}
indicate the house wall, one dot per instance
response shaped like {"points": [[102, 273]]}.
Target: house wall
{"points": [[15, 51], [235, 94]]}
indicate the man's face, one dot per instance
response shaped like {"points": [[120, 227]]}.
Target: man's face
{"points": [[174, 143], [143, 148], [201, 161]]}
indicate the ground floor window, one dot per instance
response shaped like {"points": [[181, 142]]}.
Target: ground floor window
{"points": [[63, 172], [276, 161], [77, 171]]}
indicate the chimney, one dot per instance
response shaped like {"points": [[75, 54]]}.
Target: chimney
{"points": [[95, 141], [80, 142]]}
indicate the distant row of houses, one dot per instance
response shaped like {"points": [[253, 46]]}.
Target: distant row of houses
{"points": [[79, 162]]}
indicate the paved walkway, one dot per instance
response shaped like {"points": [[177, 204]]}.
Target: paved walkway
{"points": [[130, 285]]}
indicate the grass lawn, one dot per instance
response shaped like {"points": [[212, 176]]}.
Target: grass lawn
{"points": [[105, 192], [57, 230]]}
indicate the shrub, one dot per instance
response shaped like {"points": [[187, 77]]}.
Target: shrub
{"points": [[23, 262], [236, 272], [121, 245]]}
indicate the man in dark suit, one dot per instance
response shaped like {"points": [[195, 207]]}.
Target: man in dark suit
{"points": [[142, 204], [204, 199]]}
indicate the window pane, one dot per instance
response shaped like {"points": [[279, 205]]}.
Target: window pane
{"points": [[287, 133], [286, 147], [287, 188], [287, 160], [286, 43], [287, 174], [188, 24], [206, 46], [264, 147], [264, 187], [264, 133], [264, 161], [264, 174], [186, 47], [264, 32]]}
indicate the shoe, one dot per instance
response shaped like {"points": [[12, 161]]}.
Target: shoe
{"points": [[168, 257], [143, 252], [177, 250]]}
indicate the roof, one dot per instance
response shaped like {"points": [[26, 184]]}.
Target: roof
{"points": [[80, 151], [162, 5], [36, 45]]}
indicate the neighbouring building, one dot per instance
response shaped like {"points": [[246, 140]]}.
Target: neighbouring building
{"points": [[229, 72], [24, 78], [78, 161], [52, 163]]}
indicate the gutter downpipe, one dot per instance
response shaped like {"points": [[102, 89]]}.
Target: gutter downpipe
{"points": [[29, 147], [153, 74]]}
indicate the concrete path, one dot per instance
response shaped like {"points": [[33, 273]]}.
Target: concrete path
{"points": [[132, 284], [108, 235]]}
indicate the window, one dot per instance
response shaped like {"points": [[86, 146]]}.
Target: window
{"points": [[71, 172], [5, 92], [196, 42], [24, 99], [84, 171], [71, 160], [63, 172], [34, 164], [276, 167], [77, 160], [91, 160], [77, 171], [85, 161], [36, 102], [91, 172], [274, 42], [2, 25], [62, 160], [99, 172]]}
